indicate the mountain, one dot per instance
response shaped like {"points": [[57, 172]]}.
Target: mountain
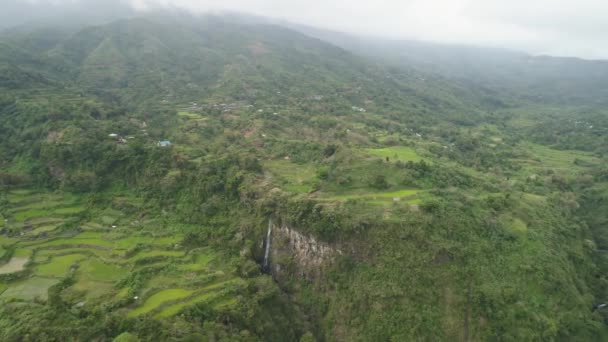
{"points": [[171, 177], [496, 72]]}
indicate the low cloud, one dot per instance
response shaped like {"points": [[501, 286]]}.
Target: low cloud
{"points": [[555, 27]]}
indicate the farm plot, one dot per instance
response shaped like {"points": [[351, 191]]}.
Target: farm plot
{"points": [[297, 178], [35, 287], [170, 302], [50, 243], [16, 264], [59, 266], [395, 153]]}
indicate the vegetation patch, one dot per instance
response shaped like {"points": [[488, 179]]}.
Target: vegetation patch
{"points": [[43, 229], [558, 159], [35, 287], [158, 299], [92, 289], [60, 265], [28, 214], [100, 271], [208, 293], [515, 225], [400, 195], [155, 254], [69, 210], [16, 264], [401, 153], [297, 178]]}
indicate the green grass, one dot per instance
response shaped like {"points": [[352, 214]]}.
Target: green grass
{"points": [[132, 241], [23, 253], [298, 178], [42, 221], [44, 203], [59, 265], [209, 293], [225, 303], [395, 153], [103, 241], [75, 242], [156, 253], [189, 115], [176, 308], [375, 196], [24, 215], [92, 289], [201, 262], [100, 271], [158, 299], [22, 192], [557, 159], [7, 241], [108, 220], [43, 229], [514, 225], [92, 226], [35, 287], [43, 255], [69, 210]]}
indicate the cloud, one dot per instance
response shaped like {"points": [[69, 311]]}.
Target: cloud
{"points": [[557, 27]]}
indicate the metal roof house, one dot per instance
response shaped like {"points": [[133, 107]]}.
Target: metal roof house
{"points": [[164, 143]]}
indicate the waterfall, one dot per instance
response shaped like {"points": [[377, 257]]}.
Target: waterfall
{"points": [[267, 251]]}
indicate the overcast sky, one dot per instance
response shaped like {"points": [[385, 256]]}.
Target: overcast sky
{"points": [[554, 27]]}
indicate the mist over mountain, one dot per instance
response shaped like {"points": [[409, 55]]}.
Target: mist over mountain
{"points": [[62, 13]]}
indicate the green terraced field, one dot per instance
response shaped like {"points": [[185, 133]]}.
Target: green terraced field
{"points": [[557, 159], [24, 215], [43, 229], [209, 293], [16, 264], [92, 289], [375, 196], [98, 257], [176, 308], [156, 253], [293, 177], [401, 153], [36, 287], [69, 210], [158, 299], [60, 265], [100, 271]]}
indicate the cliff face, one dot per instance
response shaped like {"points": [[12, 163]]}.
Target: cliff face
{"points": [[293, 253]]}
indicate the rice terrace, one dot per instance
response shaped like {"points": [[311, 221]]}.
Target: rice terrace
{"points": [[143, 272]]}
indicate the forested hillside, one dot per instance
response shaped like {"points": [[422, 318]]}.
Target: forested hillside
{"points": [[202, 178]]}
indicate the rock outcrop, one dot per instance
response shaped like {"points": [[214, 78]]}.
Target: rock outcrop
{"points": [[293, 253]]}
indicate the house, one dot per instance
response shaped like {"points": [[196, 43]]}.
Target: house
{"points": [[164, 143], [113, 135]]}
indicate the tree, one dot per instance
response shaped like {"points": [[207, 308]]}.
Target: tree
{"points": [[379, 182]]}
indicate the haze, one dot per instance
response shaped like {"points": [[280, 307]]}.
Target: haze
{"points": [[552, 27]]}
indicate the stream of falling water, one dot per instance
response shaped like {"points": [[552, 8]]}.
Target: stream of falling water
{"points": [[267, 251]]}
